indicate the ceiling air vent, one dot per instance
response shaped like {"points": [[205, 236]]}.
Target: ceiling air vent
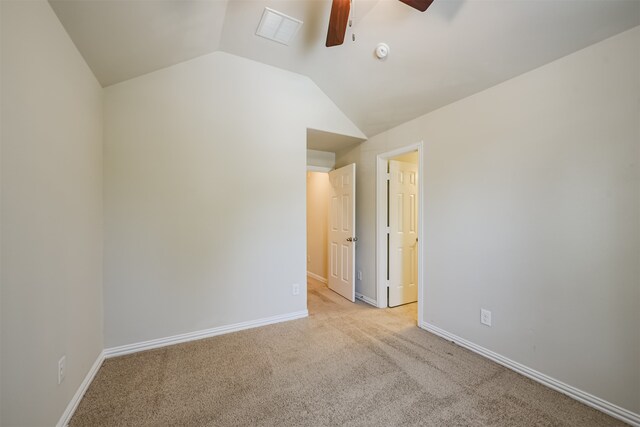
{"points": [[277, 26]]}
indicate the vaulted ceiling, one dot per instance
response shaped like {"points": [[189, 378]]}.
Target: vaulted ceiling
{"points": [[453, 50]]}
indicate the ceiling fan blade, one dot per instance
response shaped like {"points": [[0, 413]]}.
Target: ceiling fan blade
{"points": [[421, 5], [338, 22]]}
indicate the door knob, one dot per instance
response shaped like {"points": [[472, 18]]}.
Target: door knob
{"points": [[352, 239]]}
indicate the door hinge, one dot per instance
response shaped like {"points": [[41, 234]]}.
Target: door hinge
{"points": [[388, 176]]}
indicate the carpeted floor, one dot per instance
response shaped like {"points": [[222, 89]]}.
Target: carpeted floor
{"points": [[346, 365]]}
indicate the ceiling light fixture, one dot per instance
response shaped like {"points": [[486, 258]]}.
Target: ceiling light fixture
{"points": [[277, 26]]}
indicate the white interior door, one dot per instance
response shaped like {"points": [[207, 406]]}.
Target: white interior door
{"points": [[403, 233], [342, 225]]}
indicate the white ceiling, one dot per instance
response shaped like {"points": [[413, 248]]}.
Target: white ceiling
{"points": [[122, 39], [455, 49]]}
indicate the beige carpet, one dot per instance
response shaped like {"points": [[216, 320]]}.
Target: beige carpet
{"points": [[347, 364]]}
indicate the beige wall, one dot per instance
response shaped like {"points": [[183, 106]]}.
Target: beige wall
{"points": [[205, 170], [51, 215], [531, 211], [317, 217]]}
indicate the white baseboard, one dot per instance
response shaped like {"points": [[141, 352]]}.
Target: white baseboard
{"points": [[161, 342], [73, 404], [197, 335], [575, 393], [317, 277], [366, 299]]}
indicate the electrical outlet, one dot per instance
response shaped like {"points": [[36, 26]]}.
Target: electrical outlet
{"points": [[295, 289], [62, 369], [359, 274], [485, 317]]}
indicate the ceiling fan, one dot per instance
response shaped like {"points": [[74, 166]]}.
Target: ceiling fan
{"points": [[340, 17]]}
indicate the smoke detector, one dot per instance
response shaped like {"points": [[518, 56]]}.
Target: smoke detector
{"points": [[382, 50], [277, 26]]}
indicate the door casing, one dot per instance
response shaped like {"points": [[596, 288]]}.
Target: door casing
{"points": [[381, 224]]}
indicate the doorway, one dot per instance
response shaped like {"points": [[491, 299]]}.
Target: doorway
{"points": [[318, 189], [331, 236], [399, 225]]}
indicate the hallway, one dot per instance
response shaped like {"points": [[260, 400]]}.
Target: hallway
{"points": [[321, 301]]}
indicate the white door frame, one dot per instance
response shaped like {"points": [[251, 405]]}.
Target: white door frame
{"points": [[381, 226]]}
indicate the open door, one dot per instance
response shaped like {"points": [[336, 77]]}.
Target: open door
{"points": [[342, 225], [403, 233]]}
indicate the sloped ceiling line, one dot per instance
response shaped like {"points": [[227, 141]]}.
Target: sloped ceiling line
{"points": [[453, 50]]}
